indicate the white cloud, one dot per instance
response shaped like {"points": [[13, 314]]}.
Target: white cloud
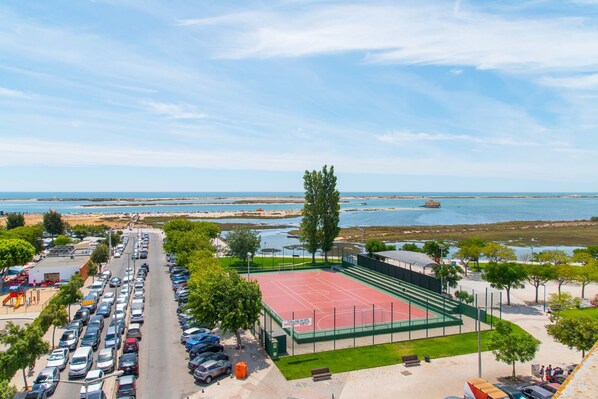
{"points": [[5, 92], [403, 137], [174, 111], [428, 33], [455, 71], [580, 82]]}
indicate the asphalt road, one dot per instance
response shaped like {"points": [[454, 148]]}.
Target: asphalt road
{"points": [[118, 266], [163, 368]]}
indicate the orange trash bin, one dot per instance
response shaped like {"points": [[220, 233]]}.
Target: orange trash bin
{"points": [[241, 370]]}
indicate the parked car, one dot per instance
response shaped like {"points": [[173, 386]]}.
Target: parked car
{"points": [[33, 394], [138, 293], [204, 357], [203, 348], [75, 325], [131, 346], [119, 324], [58, 358], [96, 321], [82, 314], [134, 331], [201, 338], [550, 386], [513, 393], [115, 282], [126, 387], [105, 360], [94, 383], [104, 310], [129, 364], [535, 392], [137, 316], [81, 362], [212, 369], [69, 339], [47, 380], [109, 297], [113, 337], [90, 302], [137, 304], [119, 314], [91, 338], [187, 333]]}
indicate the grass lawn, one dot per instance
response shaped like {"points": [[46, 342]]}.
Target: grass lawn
{"points": [[587, 312], [364, 357], [275, 263]]}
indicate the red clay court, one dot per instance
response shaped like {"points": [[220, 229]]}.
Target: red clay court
{"points": [[323, 291]]}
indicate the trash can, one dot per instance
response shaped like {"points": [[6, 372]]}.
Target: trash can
{"points": [[427, 358], [274, 343], [241, 370]]}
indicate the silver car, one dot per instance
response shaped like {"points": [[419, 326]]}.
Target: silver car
{"points": [[58, 358], [105, 360], [47, 380], [212, 369]]}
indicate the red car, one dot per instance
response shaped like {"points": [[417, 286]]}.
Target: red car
{"points": [[131, 346]]}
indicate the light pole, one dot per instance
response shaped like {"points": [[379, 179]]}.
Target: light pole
{"points": [[249, 255], [479, 323], [544, 285], [362, 239]]}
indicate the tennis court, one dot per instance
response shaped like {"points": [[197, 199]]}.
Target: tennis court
{"points": [[332, 301]]}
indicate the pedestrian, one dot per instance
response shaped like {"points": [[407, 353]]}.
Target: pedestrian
{"points": [[541, 373], [549, 373]]}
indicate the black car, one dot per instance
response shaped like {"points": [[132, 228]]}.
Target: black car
{"points": [[513, 393], [37, 394], [75, 325], [96, 321], [129, 364], [91, 338], [120, 324], [82, 314], [204, 357], [144, 267], [115, 282], [205, 347]]}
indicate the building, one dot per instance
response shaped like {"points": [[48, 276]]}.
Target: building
{"points": [[581, 384], [59, 268]]}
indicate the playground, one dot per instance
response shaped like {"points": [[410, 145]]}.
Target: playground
{"points": [[30, 300]]}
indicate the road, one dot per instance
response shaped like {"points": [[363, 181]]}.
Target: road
{"points": [[163, 368]]}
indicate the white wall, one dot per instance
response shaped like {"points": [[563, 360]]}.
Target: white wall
{"points": [[37, 273]]}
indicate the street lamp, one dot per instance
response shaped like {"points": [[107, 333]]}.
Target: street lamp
{"points": [[479, 324], [249, 255], [544, 285]]}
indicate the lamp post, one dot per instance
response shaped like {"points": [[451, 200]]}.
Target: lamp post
{"points": [[544, 285], [479, 324], [249, 255], [362, 239]]}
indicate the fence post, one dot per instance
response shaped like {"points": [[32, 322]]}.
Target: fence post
{"points": [[500, 304], [373, 323], [392, 319], [353, 326], [460, 317], [409, 319], [443, 315], [334, 331], [427, 300], [491, 310], [293, 332], [314, 321]]}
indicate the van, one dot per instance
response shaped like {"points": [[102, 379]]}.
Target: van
{"points": [[535, 392], [81, 362]]}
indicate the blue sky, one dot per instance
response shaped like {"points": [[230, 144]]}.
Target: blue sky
{"points": [[142, 95]]}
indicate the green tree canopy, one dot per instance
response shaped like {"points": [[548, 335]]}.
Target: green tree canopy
{"points": [[580, 333], [592, 250], [448, 274], [411, 247], [32, 234], [89, 230], [241, 241], [53, 223], [511, 347], [585, 275], [564, 274], [464, 296], [54, 315], [555, 256], [7, 391], [15, 252], [496, 252], [14, 219], [63, 240], [329, 208], [25, 344], [310, 213], [540, 274], [470, 250], [70, 293], [372, 246], [436, 249], [219, 296], [504, 276], [183, 238], [100, 254], [92, 271], [563, 301]]}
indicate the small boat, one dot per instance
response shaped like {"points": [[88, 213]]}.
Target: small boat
{"points": [[431, 204]]}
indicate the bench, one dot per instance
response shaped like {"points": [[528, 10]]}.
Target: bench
{"points": [[410, 360], [320, 373]]}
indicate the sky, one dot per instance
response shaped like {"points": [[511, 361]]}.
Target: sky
{"points": [[400, 96]]}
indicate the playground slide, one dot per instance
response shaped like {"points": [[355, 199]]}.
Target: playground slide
{"points": [[19, 298], [6, 300]]}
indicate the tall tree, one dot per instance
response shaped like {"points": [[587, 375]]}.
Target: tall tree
{"points": [[585, 275], [14, 220], [511, 347], [580, 333], [436, 249], [219, 296], [92, 271], [70, 293], [32, 234], [25, 345], [592, 250], [496, 252], [540, 274], [372, 246], [564, 274], [505, 276], [53, 223], [100, 254], [410, 247], [242, 241], [555, 256], [311, 216], [329, 209], [54, 315], [14, 252], [448, 274], [470, 250]]}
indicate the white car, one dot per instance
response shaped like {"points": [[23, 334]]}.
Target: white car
{"points": [[137, 316], [117, 254], [92, 386], [109, 297], [137, 303], [106, 360], [119, 314], [139, 293], [123, 299], [58, 358]]}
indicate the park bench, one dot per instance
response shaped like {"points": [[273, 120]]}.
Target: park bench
{"points": [[411, 360], [320, 373]]}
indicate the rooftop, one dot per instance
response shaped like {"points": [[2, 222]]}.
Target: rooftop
{"points": [[582, 383], [414, 258], [62, 261]]}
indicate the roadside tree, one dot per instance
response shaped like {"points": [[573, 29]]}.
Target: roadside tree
{"points": [[100, 254], [219, 296], [92, 271], [14, 220], [470, 250], [540, 274], [436, 249], [564, 274], [555, 256], [511, 347], [496, 252], [580, 333], [505, 276], [585, 275], [25, 344], [53, 223], [7, 391], [70, 293], [54, 315], [242, 241]]}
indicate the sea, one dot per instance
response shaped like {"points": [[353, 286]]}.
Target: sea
{"points": [[357, 208]]}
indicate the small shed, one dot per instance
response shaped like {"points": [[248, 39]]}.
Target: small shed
{"points": [[58, 268]]}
